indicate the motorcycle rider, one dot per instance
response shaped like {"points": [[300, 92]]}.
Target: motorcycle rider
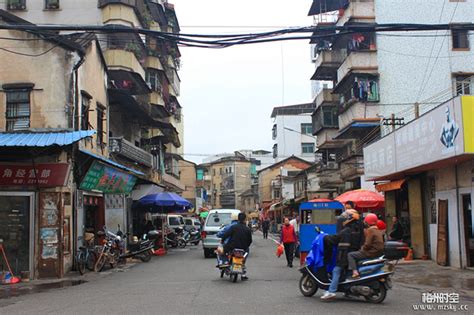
{"points": [[347, 240], [221, 256], [373, 246], [240, 237]]}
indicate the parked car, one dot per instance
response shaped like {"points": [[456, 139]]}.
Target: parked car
{"points": [[192, 223], [175, 221], [215, 221]]}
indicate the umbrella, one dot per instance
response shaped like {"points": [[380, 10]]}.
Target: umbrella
{"points": [[363, 199], [165, 202], [204, 214]]}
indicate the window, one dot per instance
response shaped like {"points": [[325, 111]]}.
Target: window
{"points": [[16, 4], [18, 110], [460, 39], [276, 193], [85, 106], [307, 148], [275, 150], [213, 172], [51, 4], [200, 174], [153, 80], [306, 129], [274, 132], [330, 117], [100, 124], [464, 85]]}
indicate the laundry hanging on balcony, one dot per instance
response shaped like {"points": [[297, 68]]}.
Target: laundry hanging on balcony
{"points": [[365, 90]]}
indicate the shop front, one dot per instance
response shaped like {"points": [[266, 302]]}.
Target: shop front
{"points": [[426, 170], [34, 221]]}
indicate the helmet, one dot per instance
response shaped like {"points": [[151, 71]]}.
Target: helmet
{"points": [[234, 216], [381, 225], [371, 219]]}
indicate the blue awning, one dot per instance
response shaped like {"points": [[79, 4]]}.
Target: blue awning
{"points": [[108, 161], [357, 128], [43, 139]]}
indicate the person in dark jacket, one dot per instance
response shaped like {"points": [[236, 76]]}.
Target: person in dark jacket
{"points": [[397, 230], [349, 239], [240, 237], [265, 228]]}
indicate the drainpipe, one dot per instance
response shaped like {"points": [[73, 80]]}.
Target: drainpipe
{"points": [[459, 216]]}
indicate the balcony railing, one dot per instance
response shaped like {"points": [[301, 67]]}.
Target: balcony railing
{"points": [[326, 97], [126, 149], [123, 60], [362, 59], [326, 64]]}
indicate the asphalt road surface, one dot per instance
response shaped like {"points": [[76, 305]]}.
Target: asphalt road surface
{"points": [[184, 282]]}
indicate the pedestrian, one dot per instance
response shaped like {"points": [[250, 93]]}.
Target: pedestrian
{"points": [[288, 239], [265, 228], [373, 245], [397, 230]]}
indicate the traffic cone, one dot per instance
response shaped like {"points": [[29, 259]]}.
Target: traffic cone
{"points": [[409, 255]]}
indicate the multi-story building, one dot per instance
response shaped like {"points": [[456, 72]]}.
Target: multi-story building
{"points": [[188, 177], [203, 186], [379, 80], [146, 125], [292, 132], [276, 186]]}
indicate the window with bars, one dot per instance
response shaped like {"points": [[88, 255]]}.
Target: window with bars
{"points": [[16, 4], [100, 123], [464, 85], [307, 148], [85, 106], [18, 110], [153, 80], [460, 39]]}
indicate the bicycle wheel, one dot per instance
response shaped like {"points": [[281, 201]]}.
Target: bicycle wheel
{"points": [[91, 258], [81, 265]]}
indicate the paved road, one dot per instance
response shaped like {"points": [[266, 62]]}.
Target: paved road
{"points": [[183, 282]]}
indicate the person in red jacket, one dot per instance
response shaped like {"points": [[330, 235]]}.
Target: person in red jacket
{"points": [[288, 239]]}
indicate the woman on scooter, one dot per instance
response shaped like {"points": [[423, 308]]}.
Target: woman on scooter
{"points": [[373, 246], [349, 239]]}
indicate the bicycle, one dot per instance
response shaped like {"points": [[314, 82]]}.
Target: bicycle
{"points": [[87, 256]]}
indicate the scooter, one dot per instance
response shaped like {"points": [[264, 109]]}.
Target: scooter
{"points": [[191, 236], [374, 281], [175, 239], [236, 265], [142, 249]]}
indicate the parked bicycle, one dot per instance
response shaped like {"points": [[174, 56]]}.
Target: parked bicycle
{"points": [[87, 255]]}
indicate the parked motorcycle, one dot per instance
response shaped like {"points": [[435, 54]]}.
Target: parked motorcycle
{"points": [[110, 251], [236, 265], [374, 281], [175, 239], [192, 236], [140, 248]]}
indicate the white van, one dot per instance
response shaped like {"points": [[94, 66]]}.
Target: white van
{"points": [[215, 221], [175, 221]]}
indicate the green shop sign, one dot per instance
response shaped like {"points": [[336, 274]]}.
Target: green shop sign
{"points": [[108, 180]]}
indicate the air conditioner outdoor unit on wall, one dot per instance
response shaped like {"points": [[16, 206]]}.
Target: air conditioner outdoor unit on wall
{"points": [[332, 165]]}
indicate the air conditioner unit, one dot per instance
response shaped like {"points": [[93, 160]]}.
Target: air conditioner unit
{"points": [[332, 165]]}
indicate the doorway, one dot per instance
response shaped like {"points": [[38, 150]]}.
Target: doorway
{"points": [[468, 229], [94, 214], [16, 230]]}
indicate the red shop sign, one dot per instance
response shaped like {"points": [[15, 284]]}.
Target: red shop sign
{"points": [[43, 175]]}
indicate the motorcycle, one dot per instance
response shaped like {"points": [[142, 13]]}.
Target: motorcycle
{"points": [[192, 236], [110, 251], [236, 265], [141, 249], [175, 239], [374, 281]]}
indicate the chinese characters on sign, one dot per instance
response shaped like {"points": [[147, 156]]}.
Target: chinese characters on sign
{"points": [[44, 175], [107, 179]]}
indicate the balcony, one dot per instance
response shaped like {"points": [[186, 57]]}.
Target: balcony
{"points": [[173, 183], [118, 59], [153, 62], [327, 63], [330, 179], [123, 12], [127, 150], [360, 10], [325, 117], [352, 168], [326, 97], [361, 61]]}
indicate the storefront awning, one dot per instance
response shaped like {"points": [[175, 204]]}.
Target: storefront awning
{"points": [[393, 185], [43, 139], [110, 162]]}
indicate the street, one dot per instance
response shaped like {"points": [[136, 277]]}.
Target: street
{"points": [[183, 282]]}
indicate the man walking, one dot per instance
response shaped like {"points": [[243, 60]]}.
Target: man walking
{"points": [[288, 239], [265, 228]]}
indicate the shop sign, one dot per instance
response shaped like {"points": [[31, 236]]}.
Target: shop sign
{"points": [[43, 175], [107, 179], [438, 135]]}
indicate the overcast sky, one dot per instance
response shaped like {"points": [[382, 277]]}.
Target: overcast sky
{"points": [[228, 94]]}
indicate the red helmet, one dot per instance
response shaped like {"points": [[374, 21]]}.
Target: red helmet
{"points": [[381, 225], [371, 219]]}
